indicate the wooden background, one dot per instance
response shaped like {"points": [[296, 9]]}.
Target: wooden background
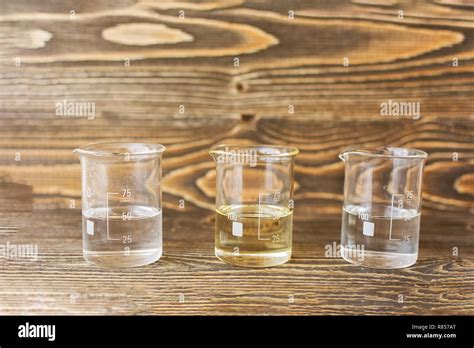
{"points": [[165, 72]]}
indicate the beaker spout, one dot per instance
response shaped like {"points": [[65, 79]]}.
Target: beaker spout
{"points": [[344, 156], [214, 154], [77, 152]]}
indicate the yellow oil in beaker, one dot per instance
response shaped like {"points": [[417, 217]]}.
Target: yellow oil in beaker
{"points": [[254, 235]]}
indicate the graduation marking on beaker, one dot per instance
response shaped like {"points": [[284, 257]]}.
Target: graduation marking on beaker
{"points": [[400, 206], [259, 212], [107, 214]]}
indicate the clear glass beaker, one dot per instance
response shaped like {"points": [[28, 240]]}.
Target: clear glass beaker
{"points": [[121, 203], [254, 204], [382, 206]]}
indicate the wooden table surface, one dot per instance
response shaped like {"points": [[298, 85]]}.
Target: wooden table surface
{"points": [[176, 82]]}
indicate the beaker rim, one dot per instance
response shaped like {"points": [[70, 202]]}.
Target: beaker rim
{"points": [[262, 150], [384, 152], [119, 149]]}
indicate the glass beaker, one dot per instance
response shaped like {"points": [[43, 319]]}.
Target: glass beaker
{"points": [[121, 203], [382, 206], [254, 204]]}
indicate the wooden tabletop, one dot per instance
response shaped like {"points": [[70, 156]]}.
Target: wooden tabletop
{"points": [[188, 279], [195, 74]]}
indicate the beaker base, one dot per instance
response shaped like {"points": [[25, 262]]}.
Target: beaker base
{"points": [[118, 259], [254, 259], [377, 259]]}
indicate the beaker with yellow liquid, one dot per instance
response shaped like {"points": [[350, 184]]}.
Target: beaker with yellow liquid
{"points": [[254, 204]]}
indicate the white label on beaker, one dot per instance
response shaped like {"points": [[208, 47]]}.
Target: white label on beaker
{"points": [[90, 227], [237, 229], [368, 229]]}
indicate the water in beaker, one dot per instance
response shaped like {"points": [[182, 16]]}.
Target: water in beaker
{"points": [[121, 203], [254, 204], [140, 231], [382, 204]]}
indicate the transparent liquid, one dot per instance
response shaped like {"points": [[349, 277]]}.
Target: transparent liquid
{"points": [[253, 235], [122, 236], [394, 243]]}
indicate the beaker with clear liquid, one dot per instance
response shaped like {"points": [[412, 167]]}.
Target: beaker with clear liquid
{"points": [[382, 206], [254, 204], [121, 203]]}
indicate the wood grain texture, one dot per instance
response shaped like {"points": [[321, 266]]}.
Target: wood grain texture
{"points": [[61, 282], [282, 61], [182, 89]]}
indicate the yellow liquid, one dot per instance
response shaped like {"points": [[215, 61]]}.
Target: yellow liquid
{"points": [[254, 235]]}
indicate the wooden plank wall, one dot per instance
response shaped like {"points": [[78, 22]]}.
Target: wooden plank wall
{"points": [[167, 72]]}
